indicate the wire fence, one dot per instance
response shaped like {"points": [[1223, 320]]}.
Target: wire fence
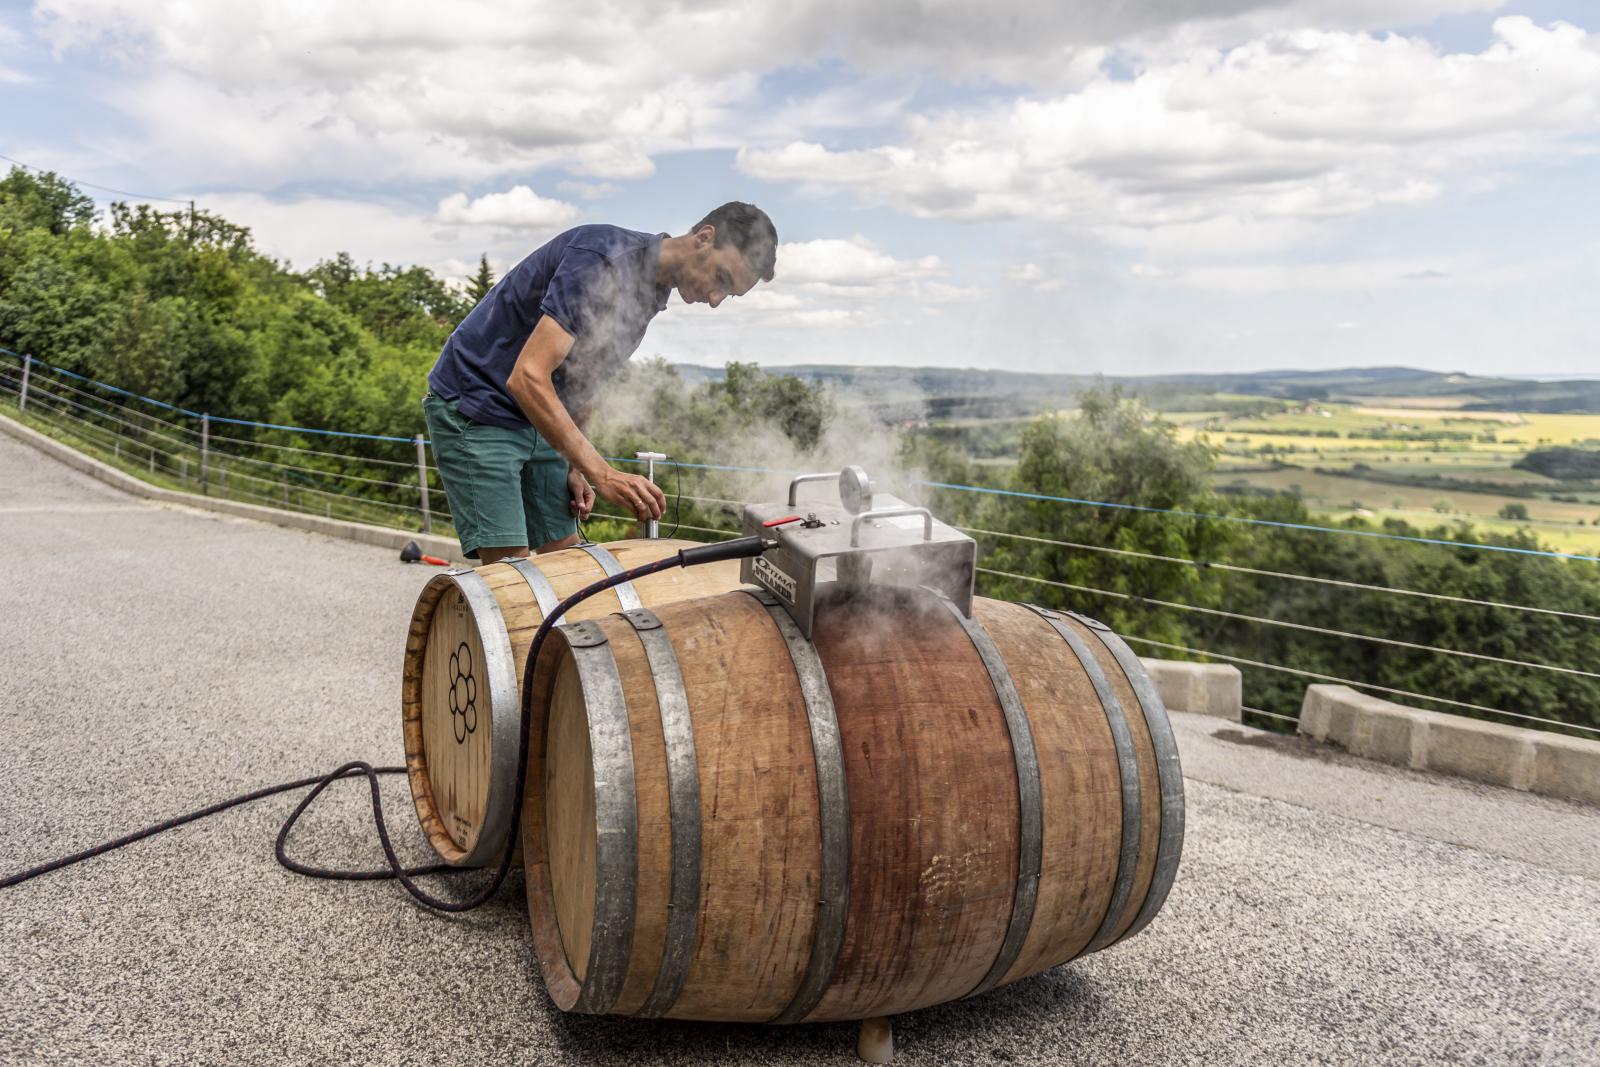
{"points": [[393, 482], [178, 449]]}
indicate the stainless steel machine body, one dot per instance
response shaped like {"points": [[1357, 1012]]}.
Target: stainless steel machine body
{"points": [[866, 538]]}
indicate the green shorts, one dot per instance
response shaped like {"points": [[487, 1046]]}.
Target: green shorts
{"points": [[506, 488]]}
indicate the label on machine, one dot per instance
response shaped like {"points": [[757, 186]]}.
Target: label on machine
{"points": [[774, 579]]}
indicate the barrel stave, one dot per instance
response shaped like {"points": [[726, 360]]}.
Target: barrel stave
{"points": [[1149, 784], [568, 785], [933, 806], [761, 856], [1081, 793], [654, 816]]}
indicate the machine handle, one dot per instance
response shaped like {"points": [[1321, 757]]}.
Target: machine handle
{"points": [[889, 513], [794, 486]]}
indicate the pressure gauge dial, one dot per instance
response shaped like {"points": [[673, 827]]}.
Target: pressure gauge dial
{"points": [[855, 490]]}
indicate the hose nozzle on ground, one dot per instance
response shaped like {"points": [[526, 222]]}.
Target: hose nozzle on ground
{"points": [[413, 553]]}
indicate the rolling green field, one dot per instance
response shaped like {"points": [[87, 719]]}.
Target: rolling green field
{"points": [[1426, 460], [1347, 459], [1348, 493], [1421, 459], [1370, 427]]}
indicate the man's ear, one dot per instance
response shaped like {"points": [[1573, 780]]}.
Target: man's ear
{"points": [[705, 236]]}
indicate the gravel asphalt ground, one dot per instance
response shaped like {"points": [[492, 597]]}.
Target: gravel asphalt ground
{"points": [[155, 659]]}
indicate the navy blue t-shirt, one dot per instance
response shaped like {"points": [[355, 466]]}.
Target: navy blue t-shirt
{"points": [[598, 282]]}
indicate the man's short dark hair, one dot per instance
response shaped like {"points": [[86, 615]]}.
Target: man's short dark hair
{"points": [[748, 229]]}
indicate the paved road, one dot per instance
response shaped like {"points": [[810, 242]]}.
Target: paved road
{"points": [[155, 659]]}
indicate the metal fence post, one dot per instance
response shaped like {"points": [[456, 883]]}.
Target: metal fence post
{"points": [[205, 454], [652, 527], [422, 480], [22, 397]]}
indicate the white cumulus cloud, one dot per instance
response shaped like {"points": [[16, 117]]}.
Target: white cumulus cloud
{"points": [[1289, 129], [298, 90], [518, 208], [854, 263]]}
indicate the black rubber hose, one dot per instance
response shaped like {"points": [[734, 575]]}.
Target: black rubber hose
{"points": [[170, 824], [482, 896], [689, 557]]}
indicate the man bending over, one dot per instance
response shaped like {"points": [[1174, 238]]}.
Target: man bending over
{"points": [[510, 396]]}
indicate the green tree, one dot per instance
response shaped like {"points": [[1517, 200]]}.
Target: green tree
{"points": [[796, 407], [404, 306], [1515, 512], [181, 307], [43, 201], [1154, 487], [748, 419], [481, 282], [1503, 577]]}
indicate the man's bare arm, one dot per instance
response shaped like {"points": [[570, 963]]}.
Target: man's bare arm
{"points": [[531, 386]]}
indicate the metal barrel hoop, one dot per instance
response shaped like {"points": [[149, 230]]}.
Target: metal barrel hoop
{"points": [[833, 812], [1169, 775], [1127, 773], [505, 714], [627, 595], [544, 594], [616, 817], [683, 793], [1030, 800]]}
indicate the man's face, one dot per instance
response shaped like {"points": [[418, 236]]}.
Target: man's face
{"points": [[713, 274]]}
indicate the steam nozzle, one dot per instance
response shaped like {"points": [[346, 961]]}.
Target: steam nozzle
{"points": [[738, 548]]}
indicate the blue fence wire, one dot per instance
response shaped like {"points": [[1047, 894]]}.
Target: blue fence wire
{"points": [[44, 391], [196, 415], [1380, 534], [985, 490], [1245, 519]]}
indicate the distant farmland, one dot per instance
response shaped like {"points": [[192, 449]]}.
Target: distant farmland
{"points": [[1422, 464], [1426, 460]]}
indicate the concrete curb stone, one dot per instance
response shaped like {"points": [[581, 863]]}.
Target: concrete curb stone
{"points": [[1535, 761], [1215, 689]]}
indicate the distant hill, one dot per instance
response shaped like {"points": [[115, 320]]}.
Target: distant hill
{"points": [[942, 392]]}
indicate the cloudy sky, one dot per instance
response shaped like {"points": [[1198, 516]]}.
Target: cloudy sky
{"points": [[1067, 185]]}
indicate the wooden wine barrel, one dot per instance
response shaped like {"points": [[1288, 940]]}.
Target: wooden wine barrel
{"points": [[724, 821], [461, 691]]}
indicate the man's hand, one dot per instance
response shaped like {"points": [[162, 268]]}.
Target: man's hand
{"points": [[531, 386], [639, 495], [582, 495]]}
